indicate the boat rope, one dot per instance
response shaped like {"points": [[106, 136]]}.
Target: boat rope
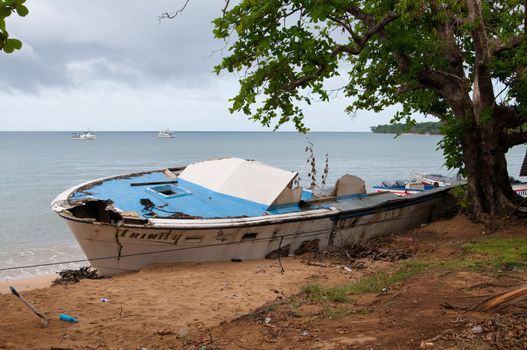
{"points": [[305, 234]]}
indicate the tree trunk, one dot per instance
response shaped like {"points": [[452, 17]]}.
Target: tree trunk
{"points": [[489, 187]]}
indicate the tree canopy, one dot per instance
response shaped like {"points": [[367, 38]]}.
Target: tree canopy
{"points": [[7, 7], [462, 61]]}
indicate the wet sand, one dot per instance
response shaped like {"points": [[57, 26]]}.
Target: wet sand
{"points": [[24, 284]]}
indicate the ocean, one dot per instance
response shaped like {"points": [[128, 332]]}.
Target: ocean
{"points": [[36, 166]]}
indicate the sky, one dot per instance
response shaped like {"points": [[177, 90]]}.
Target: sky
{"points": [[111, 65]]}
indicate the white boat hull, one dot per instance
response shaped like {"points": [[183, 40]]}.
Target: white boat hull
{"points": [[114, 249]]}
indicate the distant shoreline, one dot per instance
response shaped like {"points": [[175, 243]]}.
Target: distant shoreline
{"points": [[428, 128]]}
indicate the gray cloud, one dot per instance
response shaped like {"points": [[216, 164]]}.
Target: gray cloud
{"points": [[120, 40], [109, 65]]}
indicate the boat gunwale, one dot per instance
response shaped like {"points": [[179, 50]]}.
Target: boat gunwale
{"points": [[167, 223]]}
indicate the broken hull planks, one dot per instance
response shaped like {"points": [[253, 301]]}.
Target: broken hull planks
{"points": [[171, 241]]}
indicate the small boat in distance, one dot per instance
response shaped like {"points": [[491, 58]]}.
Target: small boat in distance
{"points": [[84, 135], [224, 209], [166, 134]]}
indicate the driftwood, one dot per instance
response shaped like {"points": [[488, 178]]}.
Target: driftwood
{"points": [[502, 300], [495, 302]]}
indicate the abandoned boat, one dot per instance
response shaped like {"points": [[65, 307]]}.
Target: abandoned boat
{"points": [[225, 209]]}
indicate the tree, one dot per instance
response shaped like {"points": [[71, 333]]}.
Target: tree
{"points": [[462, 61], [7, 7]]}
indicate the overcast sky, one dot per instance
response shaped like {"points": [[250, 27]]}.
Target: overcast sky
{"points": [[109, 65]]}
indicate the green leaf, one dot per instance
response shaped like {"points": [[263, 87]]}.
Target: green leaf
{"points": [[5, 12], [22, 10], [12, 45]]}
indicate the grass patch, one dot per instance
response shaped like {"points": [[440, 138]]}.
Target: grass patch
{"points": [[375, 283], [312, 292], [486, 254], [315, 293], [500, 253], [337, 294]]}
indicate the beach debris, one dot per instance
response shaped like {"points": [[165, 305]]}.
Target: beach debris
{"points": [[260, 269], [304, 333], [267, 320], [73, 276], [502, 300], [426, 344], [308, 247], [494, 303], [236, 260], [68, 318], [164, 332], [477, 329], [182, 332], [280, 252], [375, 250], [105, 300], [42, 317], [501, 332]]}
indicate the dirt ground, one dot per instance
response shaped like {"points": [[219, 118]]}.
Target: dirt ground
{"points": [[417, 298]]}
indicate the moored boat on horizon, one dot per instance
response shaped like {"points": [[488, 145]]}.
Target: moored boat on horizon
{"points": [[84, 136], [225, 209], [166, 134]]}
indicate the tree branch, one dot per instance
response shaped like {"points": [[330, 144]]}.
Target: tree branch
{"points": [[508, 116], [347, 27], [497, 46], [516, 138], [373, 28], [483, 94], [446, 33], [224, 11], [172, 15]]}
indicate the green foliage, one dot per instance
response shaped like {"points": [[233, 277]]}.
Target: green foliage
{"points": [[7, 7], [312, 291], [451, 144], [337, 294], [377, 282], [461, 194], [400, 128], [315, 293], [286, 53], [501, 253]]}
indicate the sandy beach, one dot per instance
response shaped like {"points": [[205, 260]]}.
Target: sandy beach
{"points": [[159, 299], [24, 284]]}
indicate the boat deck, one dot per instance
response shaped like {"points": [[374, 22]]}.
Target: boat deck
{"points": [[154, 195]]}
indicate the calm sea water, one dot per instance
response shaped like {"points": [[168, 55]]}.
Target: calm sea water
{"points": [[36, 166]]}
